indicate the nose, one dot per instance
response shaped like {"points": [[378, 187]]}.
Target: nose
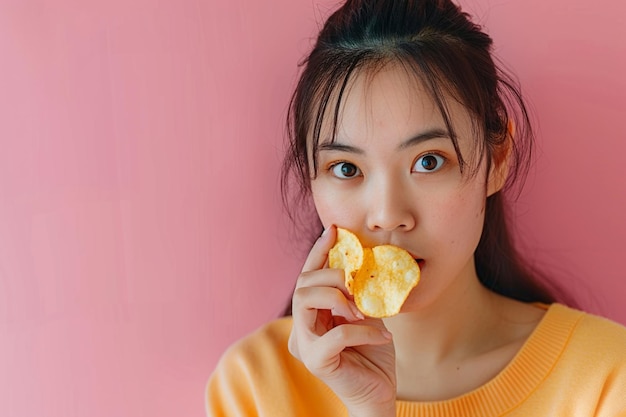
{"points": [[390, 206]]}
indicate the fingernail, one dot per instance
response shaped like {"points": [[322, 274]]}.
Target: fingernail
{"points": [[356, 312], [387, 335]]}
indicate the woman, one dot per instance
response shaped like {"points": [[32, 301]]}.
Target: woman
{"points": [[404, 131]]}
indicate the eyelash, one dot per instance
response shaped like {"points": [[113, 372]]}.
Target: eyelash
{"points": [[440, 159], [437, 155], [332, 166]]}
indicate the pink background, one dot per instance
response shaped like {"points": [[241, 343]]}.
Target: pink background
{"points": [[141, 230]]}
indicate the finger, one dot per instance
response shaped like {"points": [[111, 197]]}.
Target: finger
{"points": [[319, 252], [292, 344], [308, 300], [328, 277], [323, 353], [350, 335]]}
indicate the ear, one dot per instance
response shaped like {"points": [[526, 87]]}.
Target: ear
{"points": [[499, 170]]}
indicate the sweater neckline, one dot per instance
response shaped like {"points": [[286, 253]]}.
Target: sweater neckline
{"points": [[516, 382]]}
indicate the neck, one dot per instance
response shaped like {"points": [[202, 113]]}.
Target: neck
{"points": [[446, 330], [451, 346]]}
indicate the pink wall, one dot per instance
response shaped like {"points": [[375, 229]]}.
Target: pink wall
{"points": [[140, 223]]}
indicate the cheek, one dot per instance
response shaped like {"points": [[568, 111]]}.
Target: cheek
{"points": [[324, 210], [460, 220], [332, 208]]}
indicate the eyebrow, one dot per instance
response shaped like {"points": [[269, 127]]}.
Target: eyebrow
{"points": [[435, 133]]}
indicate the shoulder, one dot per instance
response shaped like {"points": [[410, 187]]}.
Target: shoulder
{"points": [[593, 332], [237, 386], [258, 376], [595, 360], [595, 349], [263, 348]]}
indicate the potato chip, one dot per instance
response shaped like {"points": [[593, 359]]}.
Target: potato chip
{"points": [[347, 254], [382, 285], [380, 278]]}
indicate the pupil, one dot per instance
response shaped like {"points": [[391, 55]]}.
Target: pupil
{"points": [[429, 162], [348, 170]]}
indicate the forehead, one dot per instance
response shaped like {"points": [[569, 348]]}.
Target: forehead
{"points": [[384, 104], [388, 103]]}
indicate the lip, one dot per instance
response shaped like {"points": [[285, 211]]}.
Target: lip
{"points": [[420, 261]]}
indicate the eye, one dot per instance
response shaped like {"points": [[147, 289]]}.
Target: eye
{"points": [[345, 170], [429, 163]]}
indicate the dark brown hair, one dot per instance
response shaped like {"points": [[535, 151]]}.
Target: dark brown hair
{"points": [[452, 58]]}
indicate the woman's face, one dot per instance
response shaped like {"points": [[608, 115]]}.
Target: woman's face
{"points": [[392, 176]]}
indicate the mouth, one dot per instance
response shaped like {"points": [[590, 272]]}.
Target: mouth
{"points": [[420, 261]]}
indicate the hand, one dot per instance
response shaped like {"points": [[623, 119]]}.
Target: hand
{"points": [[354, 356]]}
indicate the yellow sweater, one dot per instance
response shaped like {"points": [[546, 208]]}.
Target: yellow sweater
{"points": [[574, 364]]}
